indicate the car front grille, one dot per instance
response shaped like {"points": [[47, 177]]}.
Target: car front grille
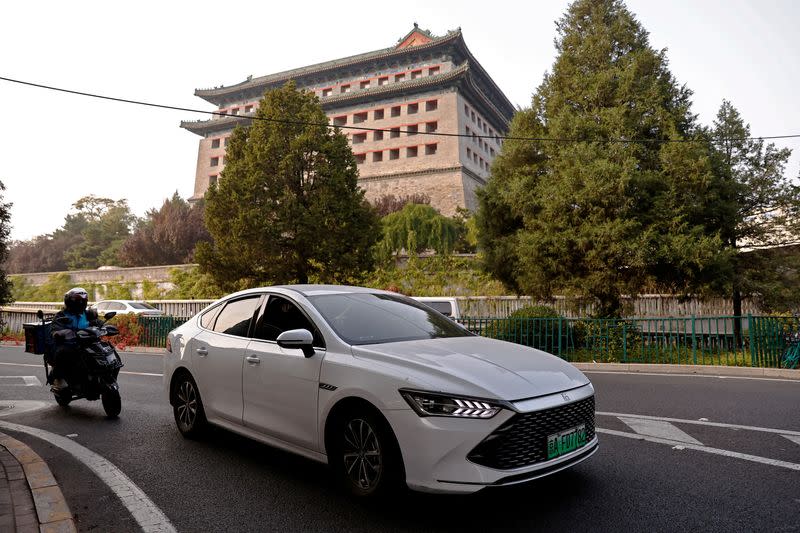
{"points": [[522, 439]]}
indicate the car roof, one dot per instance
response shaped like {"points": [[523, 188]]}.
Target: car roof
{"points": [[315, 290]]}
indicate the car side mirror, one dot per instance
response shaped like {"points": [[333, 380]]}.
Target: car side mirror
{"points": [[108, 316], [297, 339]]}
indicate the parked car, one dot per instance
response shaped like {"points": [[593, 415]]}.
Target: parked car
{"points": [[122, 307], [446, 305], [379, 386]]}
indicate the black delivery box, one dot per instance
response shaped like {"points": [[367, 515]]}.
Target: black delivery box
{"points": [[36, 337]]}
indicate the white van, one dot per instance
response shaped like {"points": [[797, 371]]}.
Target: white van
{"points": [[447, 305]]}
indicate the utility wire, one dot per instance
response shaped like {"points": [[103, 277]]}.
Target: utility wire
{"points": [[389, 130]]}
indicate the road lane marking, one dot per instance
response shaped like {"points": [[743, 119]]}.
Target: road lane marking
{"points": [[657, 428], [668, 374], [706, 449], [121, 372], [27, 381], [783, 432], [793, 438], [23, 364], [149, 517], [16, 407]]}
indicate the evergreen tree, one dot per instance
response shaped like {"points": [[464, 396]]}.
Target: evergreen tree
{"points": [[601, 218], [108, 224], [287, 207], [757, 210], [5, 230]]}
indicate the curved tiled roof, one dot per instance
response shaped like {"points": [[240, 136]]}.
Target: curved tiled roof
{"points": [[213, 95], [457, 75], [461, 74]]}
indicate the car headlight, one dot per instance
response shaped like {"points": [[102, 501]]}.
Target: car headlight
{"points": [[435, 404]]}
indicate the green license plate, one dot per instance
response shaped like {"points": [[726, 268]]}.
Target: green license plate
{"points": [[566, 441]]}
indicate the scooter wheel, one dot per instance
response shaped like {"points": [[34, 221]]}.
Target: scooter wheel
{"points": [[62, 399], [112, 403]]}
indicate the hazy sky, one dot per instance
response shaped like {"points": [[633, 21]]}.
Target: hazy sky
{"points": [[56, 148]]}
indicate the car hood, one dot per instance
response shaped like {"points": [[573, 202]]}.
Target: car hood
{"points": [[476, 366]]}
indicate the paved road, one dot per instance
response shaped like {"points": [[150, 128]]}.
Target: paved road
{"points": [[689, 475]]}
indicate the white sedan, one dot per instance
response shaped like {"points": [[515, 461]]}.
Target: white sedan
{"points": [[381, 387], [127, 307]]}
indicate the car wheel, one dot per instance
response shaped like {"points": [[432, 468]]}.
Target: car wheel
{"points": [[188, 408], [112, 403], [366, 459]]}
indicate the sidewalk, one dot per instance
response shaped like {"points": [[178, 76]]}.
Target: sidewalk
{"points": [[30, 499]]}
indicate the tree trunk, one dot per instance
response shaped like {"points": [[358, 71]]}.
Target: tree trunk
{"points": [[737, 313]]}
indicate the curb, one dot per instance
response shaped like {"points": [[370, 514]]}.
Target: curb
{"points": [[52, 512], [704, 370]]}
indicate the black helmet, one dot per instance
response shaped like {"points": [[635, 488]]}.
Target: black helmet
{"points": [[75, 300]]}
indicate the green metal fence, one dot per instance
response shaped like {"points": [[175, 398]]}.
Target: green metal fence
{"points": [[762, 341], [156, 328]]}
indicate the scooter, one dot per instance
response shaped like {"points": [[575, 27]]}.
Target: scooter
{"points": [[93, 372]]}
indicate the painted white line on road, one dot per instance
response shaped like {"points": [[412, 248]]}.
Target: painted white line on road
{"points": [[27, 381], [16, 407], [699, 423], [121, 372], [144, 511], [23, 364], [706, 449], [657, 428], [670, 374], [793, 438]]}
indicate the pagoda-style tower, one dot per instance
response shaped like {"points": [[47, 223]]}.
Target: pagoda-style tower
{"points": [[424, 83]]}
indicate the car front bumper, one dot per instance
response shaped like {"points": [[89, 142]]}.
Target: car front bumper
{"points": [[435, 449]]}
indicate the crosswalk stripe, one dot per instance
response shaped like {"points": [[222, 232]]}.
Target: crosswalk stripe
{"points": [[659, 429]]}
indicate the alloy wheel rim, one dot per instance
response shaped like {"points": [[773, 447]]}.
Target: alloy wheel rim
{"points": [[187, 404], [363, 461]]}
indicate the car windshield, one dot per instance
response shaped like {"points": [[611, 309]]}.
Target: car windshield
{"points": [[137, 305], [365, 318]]}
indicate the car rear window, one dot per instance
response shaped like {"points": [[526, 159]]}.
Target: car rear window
{"points": [[369, 318], [443, 307]]}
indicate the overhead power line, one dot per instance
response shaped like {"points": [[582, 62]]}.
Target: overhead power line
{"points": [[389, 130]]}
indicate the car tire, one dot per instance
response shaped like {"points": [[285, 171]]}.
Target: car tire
{"points": [[366, 459], [112, 403], [188, 407]]}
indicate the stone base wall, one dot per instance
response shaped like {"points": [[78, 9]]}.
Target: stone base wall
{"points": [[444, 186]]}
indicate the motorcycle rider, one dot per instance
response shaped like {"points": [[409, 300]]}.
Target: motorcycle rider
{"points": [[66, 322]]}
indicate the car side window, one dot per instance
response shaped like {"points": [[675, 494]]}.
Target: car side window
{"points": [[115, 306], [235, 318], [207, 318], [280, 314], [102, 307]]}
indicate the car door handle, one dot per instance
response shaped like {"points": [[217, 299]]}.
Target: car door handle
{"points": [[202, 352], [253, 360]]}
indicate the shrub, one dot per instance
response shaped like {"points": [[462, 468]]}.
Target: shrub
{"points": [[534, 325], [608, 340], [130, 331]]}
